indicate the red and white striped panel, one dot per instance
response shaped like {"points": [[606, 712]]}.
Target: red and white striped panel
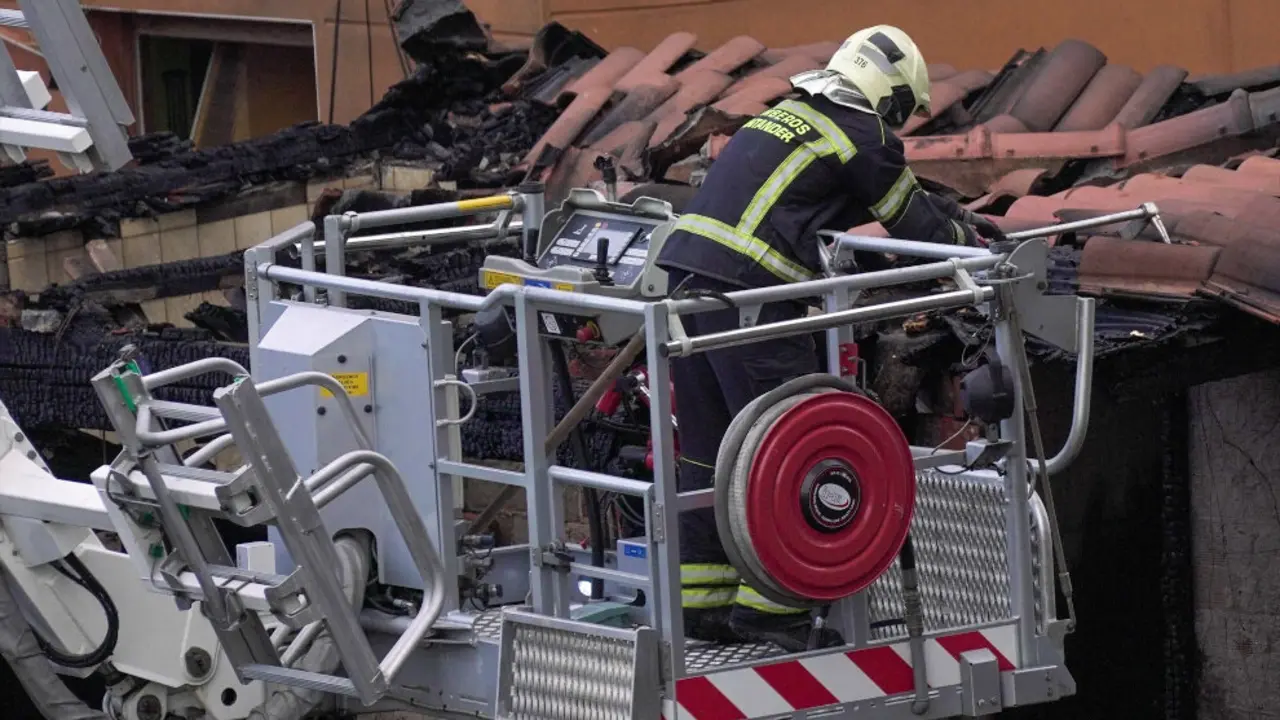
{"points": [[840, 677]]}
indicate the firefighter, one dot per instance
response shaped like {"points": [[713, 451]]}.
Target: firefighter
{"points": [[826, 159]]}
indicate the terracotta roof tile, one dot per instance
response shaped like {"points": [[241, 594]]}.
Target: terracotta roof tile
{"points": [[1260, 165], [1101, 100], [1134, 267], [696, 89], [608, 71], [1150, 96], [1005, 124], [1227, 83], [941, 71], [752, 98], [1265, 107], [572, 121], [1004, 138], [946, 93], [1065, 73], [821, 52], [637, 104], [1213, 175], [1232, 117], [783, 69], [726, 58], [658, 61], [1016, 184]]}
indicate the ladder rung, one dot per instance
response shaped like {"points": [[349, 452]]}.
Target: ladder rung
{"points": [[45, 116], [37, 92], [300, 678], [13, 19], [44, 135]]}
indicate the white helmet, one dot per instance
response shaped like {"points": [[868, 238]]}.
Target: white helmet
{"points": [[886, 68]]}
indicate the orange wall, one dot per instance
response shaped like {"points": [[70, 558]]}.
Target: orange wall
{"points": [[1203, 36]]}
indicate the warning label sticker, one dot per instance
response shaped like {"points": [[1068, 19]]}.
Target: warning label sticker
{"points": [[356, 384], [490, 279]]}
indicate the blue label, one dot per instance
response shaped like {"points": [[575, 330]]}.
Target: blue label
{"points": [[635, 551], [538, 283]]}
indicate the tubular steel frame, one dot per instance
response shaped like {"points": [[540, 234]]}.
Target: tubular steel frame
{"points": [[544, 481]]}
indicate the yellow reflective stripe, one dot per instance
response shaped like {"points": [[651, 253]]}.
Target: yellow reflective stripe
{"points": [[782, 176], [840, 142], [755, 601], [708, 574], [833, 141], [958, 231], [708, 597], [754, 248], [896, 198]]}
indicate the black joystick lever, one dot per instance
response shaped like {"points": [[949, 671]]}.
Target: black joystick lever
{"points": [[609, 172], [602, 262]]}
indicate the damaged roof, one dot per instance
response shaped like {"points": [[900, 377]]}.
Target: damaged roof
{"points": [[1055, 134]]}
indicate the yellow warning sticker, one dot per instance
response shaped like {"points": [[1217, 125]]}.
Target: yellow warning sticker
{"points": [[490, 279], [356, 384]]}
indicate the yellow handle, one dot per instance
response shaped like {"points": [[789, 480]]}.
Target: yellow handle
{"points": [[494, 202]]}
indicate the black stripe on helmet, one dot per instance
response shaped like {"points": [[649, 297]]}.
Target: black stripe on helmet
{"points": [[887, 46]]}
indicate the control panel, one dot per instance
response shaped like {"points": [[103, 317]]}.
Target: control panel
{"points": [[586, 234], [591, 245]]}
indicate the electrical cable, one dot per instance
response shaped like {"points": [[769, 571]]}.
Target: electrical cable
{"points": [[80, 575], [954, 435], [457, 356]]}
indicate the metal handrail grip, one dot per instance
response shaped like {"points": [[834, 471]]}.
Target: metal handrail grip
{"points": [[1086, 317], [268, 388], [431, 236], [814, 323], [503, 295], [860, 281], [599, 481], [355, 222], [343, 474], [298, 517]]}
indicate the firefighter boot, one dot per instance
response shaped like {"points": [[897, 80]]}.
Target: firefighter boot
{"points": [[756, 618]]}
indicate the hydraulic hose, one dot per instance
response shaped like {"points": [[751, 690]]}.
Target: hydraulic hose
{"points": [[595, 519], [76, 572], [19, 648]]}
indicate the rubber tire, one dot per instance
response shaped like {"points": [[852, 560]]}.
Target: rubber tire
{"points": [[678, 195]]}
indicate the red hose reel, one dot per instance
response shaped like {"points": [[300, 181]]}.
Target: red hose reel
{"points": [[815, 491]]}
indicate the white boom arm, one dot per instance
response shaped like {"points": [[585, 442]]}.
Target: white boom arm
{"points": [[174, 653]]}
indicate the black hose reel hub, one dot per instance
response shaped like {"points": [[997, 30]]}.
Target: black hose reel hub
{"points": [[814, 493]]}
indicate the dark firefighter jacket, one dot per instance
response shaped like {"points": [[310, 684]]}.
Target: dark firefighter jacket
{"points": [[803, 166]]}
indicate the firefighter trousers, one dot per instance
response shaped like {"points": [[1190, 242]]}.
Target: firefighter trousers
{"points": [[711, 389]]}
